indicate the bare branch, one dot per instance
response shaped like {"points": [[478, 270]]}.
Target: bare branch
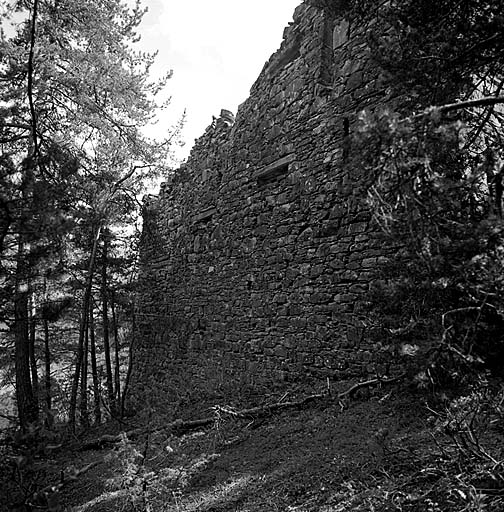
{"points": [[481, 102]]}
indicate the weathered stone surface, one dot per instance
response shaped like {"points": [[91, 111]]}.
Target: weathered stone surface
{"points": [[258, 253], [340, 34]]}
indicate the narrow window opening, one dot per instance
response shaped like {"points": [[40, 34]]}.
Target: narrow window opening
{"points": [[346, 137], [326, 68], [346, 127]]}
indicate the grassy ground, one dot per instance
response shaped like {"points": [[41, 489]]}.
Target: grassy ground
{"points": [[379, 452]]}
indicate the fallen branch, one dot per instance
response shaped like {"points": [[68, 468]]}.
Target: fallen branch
{"points": [[180, 427], [368, 383], [257, 412]]}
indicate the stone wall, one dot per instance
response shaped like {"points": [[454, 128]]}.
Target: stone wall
{"points": [[258, 252]]}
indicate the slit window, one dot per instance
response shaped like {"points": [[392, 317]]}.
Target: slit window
{"points": [[275, 169], [204, 216], [346, 137]]}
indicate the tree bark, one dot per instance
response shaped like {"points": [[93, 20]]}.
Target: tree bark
{"points": [[47, 364], [130, 363], [106, 325], [26, 404], [82, 329], [47, 359], [25, 397], [84, 415], [32, 323], [117, 350], [94, 368], [5, 221]]}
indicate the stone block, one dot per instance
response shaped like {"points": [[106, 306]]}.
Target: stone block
{"points": [[341, 34]]}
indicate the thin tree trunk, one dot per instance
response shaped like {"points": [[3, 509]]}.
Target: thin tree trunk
{"points": [[47, 364], [5, 221], [130, 364], [47, 361], [84, 415], [94, 368], [82, 330], [105, 322], [26, 404], [31, 348], [117, 350]]}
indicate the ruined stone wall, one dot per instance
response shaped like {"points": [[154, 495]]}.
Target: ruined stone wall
{"points": [[258, 253]]}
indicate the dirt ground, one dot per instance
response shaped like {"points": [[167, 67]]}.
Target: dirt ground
{"points": [[374, 453]]}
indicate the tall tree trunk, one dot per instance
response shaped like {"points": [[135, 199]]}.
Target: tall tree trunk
{"points": [[26, 403], [130, 363], [117, 350], [25, 397], [47, 359], [106, 326], [47, 364], [84, 415], [32, 322], [94, 368], [82, 329]]}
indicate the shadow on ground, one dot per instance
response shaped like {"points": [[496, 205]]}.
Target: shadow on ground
{"points": [[321, 458]]}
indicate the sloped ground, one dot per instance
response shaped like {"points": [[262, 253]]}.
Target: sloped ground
{"points": [[371, 454]]}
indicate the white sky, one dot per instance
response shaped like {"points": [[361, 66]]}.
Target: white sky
{"points": [[216, 48]]}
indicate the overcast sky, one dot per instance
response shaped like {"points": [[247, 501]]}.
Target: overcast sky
{"points": [[216, 49]]}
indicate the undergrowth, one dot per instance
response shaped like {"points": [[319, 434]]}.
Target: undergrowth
{"points": [[396, 449]]}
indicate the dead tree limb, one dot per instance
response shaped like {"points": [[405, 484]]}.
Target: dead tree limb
{"points": [[180, 427]]}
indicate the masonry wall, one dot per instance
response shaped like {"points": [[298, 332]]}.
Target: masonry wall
{"points": [[258, 253]]}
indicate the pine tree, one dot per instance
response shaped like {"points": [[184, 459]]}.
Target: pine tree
{"points": [[435, 187], [75, 96]]}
